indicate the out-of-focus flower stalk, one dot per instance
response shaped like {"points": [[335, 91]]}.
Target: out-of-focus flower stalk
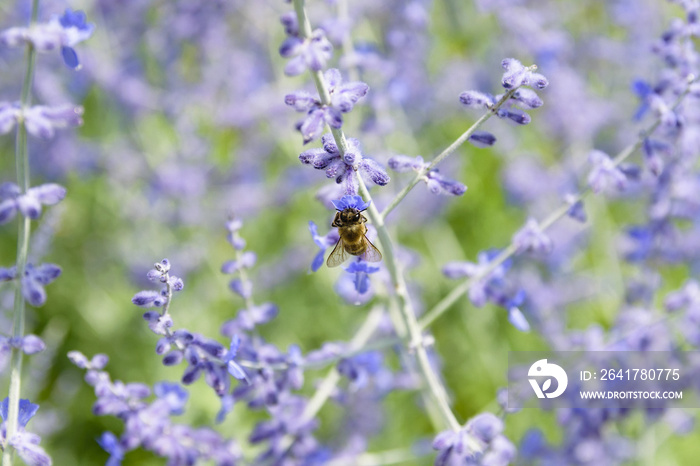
{"points": [[400, 292], [560, 212], [22, 164]]}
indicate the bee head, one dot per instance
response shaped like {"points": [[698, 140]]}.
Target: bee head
{"points": [[350, 215]]}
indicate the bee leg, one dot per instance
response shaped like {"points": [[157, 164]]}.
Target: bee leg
{"points": [[363, 219], [336, 220]]}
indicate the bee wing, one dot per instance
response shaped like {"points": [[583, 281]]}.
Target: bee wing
{"points": [[371, 253], [338, 255]]}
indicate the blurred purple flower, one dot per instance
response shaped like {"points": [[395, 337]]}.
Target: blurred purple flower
{"points": [[29, 344], [343, 99], [436, 183], [29, 204], [111, 444], [26, 444], [605, 173], [304, 53], [34, 280], [531, 238], [63, 32], [233, 367], [517, 75]]}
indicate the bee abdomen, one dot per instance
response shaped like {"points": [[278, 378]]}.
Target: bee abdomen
{"points": [[355, 249]]}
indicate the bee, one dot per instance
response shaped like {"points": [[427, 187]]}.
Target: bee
{"points": [[353, 240]]}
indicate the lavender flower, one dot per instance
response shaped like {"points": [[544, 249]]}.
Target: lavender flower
{"points": [[25, 443], [40, 120], [29, 204], [148, 424], [33, 281], [577, 210], [304, 52], [343, 98], [29, 344], [491, 287], [531, 238], [323, 242], [341, 168], [436, 183], [63, 32], [605, 173], [479, 442]]}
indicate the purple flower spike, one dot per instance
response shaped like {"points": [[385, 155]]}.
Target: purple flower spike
{"points": [[173, 394], [343, 99], [604, 173], [342, 168], [350, 202]]}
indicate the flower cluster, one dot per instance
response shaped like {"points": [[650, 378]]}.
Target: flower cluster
{"points": [[304, 52], [40, 121], [29, 344], [343, 97], [148, 425], [479, 442], [25, 443], [490, 285], [514, 78], [28, 204], [341, 166], [60, 33]]}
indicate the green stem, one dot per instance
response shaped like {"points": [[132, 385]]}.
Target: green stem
{"points": [[24, 229], [454, 295]]}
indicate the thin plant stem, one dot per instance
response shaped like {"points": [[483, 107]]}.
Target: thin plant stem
{"points": [[24, 230], [447, 152], [330, 381], [399, 293], [444, 304]]}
